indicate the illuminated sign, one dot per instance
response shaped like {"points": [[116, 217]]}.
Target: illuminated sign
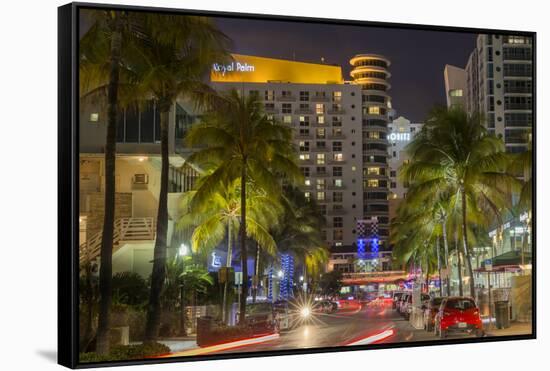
{"points": [[232, 67], [248, 68], [216, 260], [400, 137]]}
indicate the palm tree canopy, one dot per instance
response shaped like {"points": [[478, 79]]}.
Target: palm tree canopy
{"points": [[237, 133]]}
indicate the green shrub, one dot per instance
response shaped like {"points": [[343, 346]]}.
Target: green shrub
{"points": [[126, 352]]}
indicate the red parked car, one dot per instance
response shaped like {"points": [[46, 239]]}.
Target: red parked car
{"points": [[458, 314]]}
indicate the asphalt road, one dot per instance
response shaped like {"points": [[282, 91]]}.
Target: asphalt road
{"points": [[371, 324]]}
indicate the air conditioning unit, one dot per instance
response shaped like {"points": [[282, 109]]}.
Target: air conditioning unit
{"points": [[140, 179]]}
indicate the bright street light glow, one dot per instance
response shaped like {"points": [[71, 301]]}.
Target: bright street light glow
{"points": [[183, 250]]}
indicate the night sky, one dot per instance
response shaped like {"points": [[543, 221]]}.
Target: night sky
{"points": [[417, 57]]}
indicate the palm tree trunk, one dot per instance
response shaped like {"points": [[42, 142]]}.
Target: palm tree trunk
{"points": [[227, 265], [460, 288], [439, 266], [465, 244], [88, 300], [159, 258], [256, 276], [106, 255], [244, 255], [446, 247]]}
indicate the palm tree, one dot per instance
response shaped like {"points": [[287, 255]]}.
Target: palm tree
{"points": [[222, 212], [299, 232], [454, 152], [101, 62], [245, 145], [172, 60], [184, 275]]}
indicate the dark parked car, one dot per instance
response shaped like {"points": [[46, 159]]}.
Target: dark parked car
{"points": [[458, 314], [430, 310]]}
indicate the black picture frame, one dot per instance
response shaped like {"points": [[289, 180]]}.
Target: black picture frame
{"points": [[68, 183]]}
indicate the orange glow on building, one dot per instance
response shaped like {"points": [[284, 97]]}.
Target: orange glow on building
{"points": [[247, 68]]}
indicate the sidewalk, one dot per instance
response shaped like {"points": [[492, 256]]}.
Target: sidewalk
{"points": [[516, 328], [179, 344]]}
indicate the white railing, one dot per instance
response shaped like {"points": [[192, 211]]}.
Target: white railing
{"points": [[125, 229]]}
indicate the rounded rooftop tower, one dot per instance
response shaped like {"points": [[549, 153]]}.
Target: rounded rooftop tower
{"points": [[370, 71]]}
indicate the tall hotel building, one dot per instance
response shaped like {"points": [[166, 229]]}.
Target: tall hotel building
{"points": [[499, 85], [370, 73], [325, 113]]}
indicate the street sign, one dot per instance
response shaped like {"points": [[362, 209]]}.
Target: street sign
{"points": [[238, 278], [488, 264]]}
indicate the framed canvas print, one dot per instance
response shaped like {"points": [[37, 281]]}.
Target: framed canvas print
{"points": [[240, 185]]}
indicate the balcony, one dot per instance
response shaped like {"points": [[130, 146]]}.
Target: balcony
{"points": [[320, 174], [336, 212], [303, 136], [319, 98], [336, 111], [337, 136], [320, 149], [286, 98], [303, 111], [336, 162]]}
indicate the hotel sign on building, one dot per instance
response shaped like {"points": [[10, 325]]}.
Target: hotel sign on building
{"points": [[247, 68]]}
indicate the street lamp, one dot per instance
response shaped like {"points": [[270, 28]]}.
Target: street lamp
{"points": [[183, 250]]}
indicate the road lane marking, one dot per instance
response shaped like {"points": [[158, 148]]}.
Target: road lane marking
{"points": [[223, 347], [373, 338]]}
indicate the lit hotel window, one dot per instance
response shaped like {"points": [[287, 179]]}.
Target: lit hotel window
{"points": [[319, 108], [374, 110], [94, 117], [287, 119], [320, 184], [373, 171], [321, 133], [307, 195], [337, 96], [455, 93], [337, 183], [269, 95], [304, 156], [321, 120], [320, 159], [374, 135], [307, 182], [338, 157], [372, 183], [320, 196]]}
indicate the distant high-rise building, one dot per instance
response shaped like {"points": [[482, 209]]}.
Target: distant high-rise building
{"points": [[499, 85], [370, 72], [400, 133], [455, 86]]}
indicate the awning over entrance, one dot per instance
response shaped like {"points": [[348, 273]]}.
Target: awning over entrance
{"points": [[509, 261]]}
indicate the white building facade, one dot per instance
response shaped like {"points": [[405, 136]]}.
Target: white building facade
{"points": [[499, 80], [326, 122]]}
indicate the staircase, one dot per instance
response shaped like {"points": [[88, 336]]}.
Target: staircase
{"points": [[125, 230]]}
